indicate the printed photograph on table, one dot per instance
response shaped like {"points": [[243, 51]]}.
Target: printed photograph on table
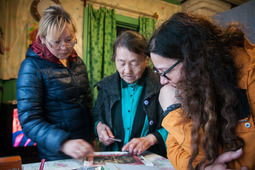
{"points": [[102, 159]]}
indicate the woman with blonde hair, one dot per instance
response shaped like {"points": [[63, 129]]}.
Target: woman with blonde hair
{"points": [[53, 92]]}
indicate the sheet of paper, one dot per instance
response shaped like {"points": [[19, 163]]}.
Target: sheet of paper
{"points": [[55, 165], [110, 153], [113, 166]]}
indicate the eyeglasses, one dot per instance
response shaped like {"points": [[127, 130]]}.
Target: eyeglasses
{"points": [[167, 71], [58, 44]]}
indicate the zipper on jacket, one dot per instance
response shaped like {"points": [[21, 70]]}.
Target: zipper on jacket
{"points": [[75, 82]]}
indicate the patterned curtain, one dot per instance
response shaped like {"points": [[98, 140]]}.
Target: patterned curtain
{"points": [[147, 28], [13, 21], [101, 36]]}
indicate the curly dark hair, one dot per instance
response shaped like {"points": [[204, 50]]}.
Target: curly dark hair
{"points": [[208, 84]]}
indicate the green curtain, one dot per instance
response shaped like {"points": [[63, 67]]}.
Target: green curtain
{"points": [[101, 36], [147, 28]]}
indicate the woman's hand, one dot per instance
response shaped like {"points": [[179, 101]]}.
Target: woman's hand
{"points": [[104, 133], [222, 160], [167, 96], [138, 145], [77, 148]]}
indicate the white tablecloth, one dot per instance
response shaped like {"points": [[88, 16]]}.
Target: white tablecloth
{"points": [[159, 162]]}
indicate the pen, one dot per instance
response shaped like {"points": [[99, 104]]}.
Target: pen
{"points": [[117, 140], [42, 164]]}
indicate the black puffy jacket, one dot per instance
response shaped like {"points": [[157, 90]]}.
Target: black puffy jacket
{"points": [[54, 103]]}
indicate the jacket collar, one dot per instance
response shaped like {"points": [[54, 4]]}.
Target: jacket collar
{"points": [[43, 52], [140, 81], [149, 79]]}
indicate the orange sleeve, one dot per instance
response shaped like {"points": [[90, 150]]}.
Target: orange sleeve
{"points": [[179, 140]]}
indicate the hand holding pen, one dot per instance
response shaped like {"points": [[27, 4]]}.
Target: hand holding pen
{"points": [[105, 134]]}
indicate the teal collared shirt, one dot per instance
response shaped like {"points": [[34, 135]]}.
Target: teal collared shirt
{"points": [[130, 96]]}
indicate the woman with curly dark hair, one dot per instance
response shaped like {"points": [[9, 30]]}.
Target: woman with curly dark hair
{"points": [[208, 79]]}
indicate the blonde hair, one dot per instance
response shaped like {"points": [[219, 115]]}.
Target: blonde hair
{"points": [[53, 22]]}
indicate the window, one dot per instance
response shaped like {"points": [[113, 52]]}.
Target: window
{"points": [[124, 23]]}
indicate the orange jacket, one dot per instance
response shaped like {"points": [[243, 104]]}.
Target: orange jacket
{"points": [[179, 137]]}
